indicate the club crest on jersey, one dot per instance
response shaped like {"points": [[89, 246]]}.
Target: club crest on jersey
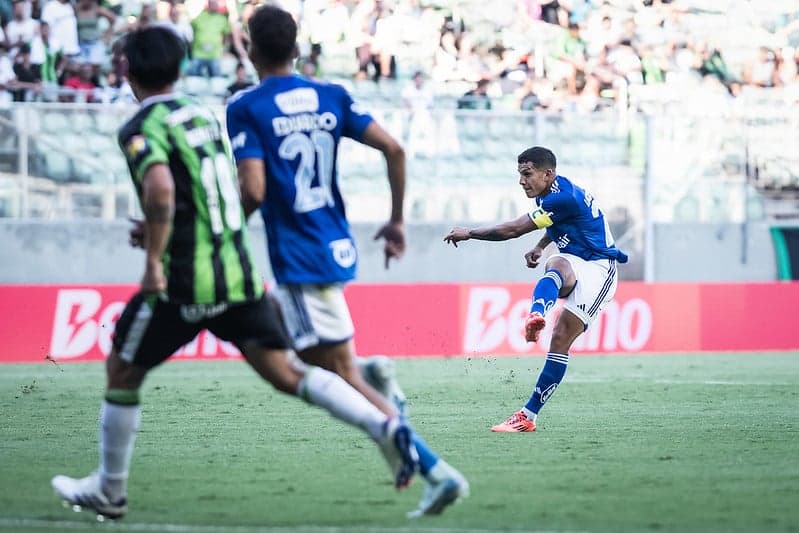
{"points": [[301, 100], [344, 252], [136, 145]]}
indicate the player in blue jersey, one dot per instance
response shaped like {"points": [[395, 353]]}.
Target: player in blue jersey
{"points": [[583, 271], [285, 134]]}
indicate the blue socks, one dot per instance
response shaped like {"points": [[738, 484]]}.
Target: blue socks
{"points": [[427, 457], [546, 292], [549, 379]]}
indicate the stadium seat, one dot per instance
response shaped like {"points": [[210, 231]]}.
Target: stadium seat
{"points": [[196, 85], [57, 166], [55, 122], [219, 86]]}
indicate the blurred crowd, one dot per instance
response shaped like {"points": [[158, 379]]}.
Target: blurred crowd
{"points": [[514, 54]]}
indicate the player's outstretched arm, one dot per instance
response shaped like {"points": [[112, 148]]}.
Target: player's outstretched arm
{"points": [[158, 204], [393, 231], [252, 182], [500, 232]]}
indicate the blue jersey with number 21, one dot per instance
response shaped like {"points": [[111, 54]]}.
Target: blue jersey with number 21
{"points": [[294, 125], [575, 223]]}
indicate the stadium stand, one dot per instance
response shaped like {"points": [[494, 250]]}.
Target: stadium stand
{"points": [[581, 77]]}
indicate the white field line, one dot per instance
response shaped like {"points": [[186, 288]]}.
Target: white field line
{"points": [[641, 378], [658, 381], [61, 525]]}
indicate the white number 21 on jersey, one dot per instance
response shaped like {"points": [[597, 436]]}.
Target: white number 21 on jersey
{"points": [[316, 158]]}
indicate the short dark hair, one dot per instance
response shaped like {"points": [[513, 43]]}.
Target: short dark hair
{"points": [[273, 33], [154, 54], [541, 158]]}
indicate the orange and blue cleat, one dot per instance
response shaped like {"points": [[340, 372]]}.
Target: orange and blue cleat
{"points": [[533, 325], [516, 423]]}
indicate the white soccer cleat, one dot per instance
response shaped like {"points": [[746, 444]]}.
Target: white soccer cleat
{"points": [[86, 493], [451, 487], [381, 373], [399, 451]]}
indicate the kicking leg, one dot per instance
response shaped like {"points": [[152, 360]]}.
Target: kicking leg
{"points": [[558, 281]]}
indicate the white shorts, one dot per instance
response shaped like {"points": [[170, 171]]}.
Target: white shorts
{"points": [[315, 314], [596, 284]]}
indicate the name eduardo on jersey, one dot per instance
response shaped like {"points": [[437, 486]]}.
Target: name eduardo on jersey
{"points": [[295, 126]]}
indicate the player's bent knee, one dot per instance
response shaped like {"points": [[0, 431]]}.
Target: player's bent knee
{"points": [[123, 375]]}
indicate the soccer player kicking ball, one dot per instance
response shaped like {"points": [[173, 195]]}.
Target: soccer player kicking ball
{"points": [[583, 271], [285, 134], [199, 274]]}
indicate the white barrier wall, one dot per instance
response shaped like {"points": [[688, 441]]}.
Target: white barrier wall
{"points": [[95, 251]]}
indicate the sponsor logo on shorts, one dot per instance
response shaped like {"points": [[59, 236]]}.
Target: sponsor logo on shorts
{"points": [[344, 252], [196, 312]]}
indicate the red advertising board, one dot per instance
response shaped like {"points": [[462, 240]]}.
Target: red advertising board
{"points": [[75, 323]]}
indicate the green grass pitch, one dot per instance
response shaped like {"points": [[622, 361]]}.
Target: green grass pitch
{"points": [[628, 443]]}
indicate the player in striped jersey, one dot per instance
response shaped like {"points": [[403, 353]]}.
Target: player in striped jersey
{"points": [[199, 275], [583, 272]]}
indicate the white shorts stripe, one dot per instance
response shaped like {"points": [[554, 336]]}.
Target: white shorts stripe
{"points": [[136, 332], [315, 314], [605, 288]]}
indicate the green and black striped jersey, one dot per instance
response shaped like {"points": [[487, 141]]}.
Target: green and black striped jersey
{"points": [[208, 259]]}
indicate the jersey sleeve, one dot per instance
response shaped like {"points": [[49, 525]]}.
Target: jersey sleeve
{"points": [[354, 118], [553, 209], [145, 147], [244, 139]]}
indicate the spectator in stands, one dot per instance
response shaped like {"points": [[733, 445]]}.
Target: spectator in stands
{"points": [[7, 77], [145, 18], [714, 65], [477, 98], [569, 58], [179, 24], [60, 15], [28, 76], [211, 30], [242, 82], [763, 71], [553, 13], [416, 97], [22, 28], [46, 52], [82, 84], [91, 39], [385, 43], [653, 66], [6, 13], [310, 66]]}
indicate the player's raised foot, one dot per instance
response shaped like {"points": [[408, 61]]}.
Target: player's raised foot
{"points": [[400, 452], [86, 493], [533, 325], [449, 488], [515, 423], [380, 372]]}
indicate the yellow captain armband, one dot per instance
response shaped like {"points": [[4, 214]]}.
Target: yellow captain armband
{"points": [[542, 219]]}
